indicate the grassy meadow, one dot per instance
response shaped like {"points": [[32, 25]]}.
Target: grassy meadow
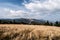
{"points": [[28, 32]]}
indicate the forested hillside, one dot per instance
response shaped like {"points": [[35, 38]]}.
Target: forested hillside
{"points": [[29, 22]]}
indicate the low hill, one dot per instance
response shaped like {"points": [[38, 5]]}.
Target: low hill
{"points": [[22, 21], [29, 32]]}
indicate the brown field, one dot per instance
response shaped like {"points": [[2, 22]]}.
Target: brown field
{"points": [[28, 32]]}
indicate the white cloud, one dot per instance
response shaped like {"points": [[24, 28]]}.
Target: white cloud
{"points": [[48, 5], [44, 9], [9, 13], [8, 10]]}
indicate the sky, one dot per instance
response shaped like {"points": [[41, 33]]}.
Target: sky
{"points": [[33, 9]]}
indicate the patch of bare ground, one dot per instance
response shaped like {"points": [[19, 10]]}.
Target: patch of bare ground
{"points": [[28, 32]]}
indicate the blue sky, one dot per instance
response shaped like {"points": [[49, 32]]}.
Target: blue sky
{"points": [[37, 9], [16, 2]]}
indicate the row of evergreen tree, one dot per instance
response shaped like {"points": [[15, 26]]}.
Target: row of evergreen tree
{"points": [[57, 23]]}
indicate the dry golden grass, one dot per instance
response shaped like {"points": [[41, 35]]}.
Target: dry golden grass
{"points": [[28, 32]]}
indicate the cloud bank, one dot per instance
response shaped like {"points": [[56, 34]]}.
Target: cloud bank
{"points": [[46, 9], [37, 9]]}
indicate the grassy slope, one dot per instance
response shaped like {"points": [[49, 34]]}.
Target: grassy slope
{"points": [[29, 32]]}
